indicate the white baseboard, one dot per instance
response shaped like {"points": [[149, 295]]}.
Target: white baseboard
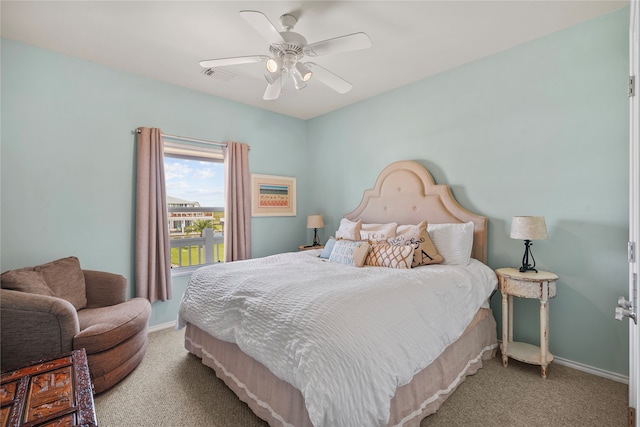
{"points": [[162, 326], [588, 369], [591, 370]]}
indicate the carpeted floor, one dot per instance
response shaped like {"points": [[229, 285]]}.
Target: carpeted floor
{"points": [[172, 388]]}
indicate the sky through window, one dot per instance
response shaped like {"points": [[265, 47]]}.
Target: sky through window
{"points": [[195, 181]]}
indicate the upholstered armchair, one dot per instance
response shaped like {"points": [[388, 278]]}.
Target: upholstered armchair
{"points": [[57, 307]]}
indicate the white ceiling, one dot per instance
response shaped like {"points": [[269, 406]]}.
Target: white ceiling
{"points": [[411, 40]]}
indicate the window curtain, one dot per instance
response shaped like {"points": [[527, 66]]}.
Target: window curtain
{"points": [[237, 209], [153, 277]]}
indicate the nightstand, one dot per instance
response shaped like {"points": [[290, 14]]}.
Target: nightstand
{"points": [[541, 286], [308, 248]]}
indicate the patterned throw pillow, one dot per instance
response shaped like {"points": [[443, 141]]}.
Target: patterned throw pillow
{"points": [[349, 252], [416, 236], [385, 255], [378, 232], [349, 230]]}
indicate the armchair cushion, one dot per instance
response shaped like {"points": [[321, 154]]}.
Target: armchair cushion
{"points": [[105, 327], [25, 280], [66, 280]]}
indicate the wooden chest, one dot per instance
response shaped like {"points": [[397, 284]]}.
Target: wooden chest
{"points": [[51, 393]]}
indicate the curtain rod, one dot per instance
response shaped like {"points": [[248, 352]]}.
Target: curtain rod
{"points": [[184, 138]]}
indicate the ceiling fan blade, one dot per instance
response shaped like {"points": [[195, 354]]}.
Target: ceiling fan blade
{"points": [[212, 63], [261, 24], [335, 82], [273, 90], [341, 44]]}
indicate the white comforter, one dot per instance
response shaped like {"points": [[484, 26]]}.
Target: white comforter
{"points": [[346, 337]]}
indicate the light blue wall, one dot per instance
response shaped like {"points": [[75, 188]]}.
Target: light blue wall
{"points": [[541, 129], [68, 168]]}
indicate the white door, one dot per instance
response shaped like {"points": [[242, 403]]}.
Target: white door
{"points": [[630, 308], [634, 210]]}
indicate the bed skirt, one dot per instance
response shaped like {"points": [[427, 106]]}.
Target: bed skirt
{"points": [[280, 404]]}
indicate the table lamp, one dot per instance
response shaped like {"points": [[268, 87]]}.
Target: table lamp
{"points": [[315, 222], [528, 228]]}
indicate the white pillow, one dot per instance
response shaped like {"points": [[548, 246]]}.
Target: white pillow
{"points": [[349, 252], [378, 232], [349, 230], [453, 241]]}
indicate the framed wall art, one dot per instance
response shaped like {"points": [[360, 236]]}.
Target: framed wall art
{"points": [[273, 195]]}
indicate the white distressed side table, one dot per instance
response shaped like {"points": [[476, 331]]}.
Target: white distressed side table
{"points": [[539, 285], [308, 248]]}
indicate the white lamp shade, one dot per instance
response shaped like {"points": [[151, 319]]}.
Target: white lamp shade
{"points": [[528, 228], [315, 221]]}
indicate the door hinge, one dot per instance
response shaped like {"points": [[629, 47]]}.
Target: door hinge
{"points": [[632, 86], [631, 251], [632, 417]]}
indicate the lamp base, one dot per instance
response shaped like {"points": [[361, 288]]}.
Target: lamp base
{"points": [[525, 258], [316, 242]]}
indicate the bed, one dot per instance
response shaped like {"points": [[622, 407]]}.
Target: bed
{"points": [[305, 341]]}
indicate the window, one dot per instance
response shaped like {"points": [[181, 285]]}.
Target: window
{"points": [[194, 177]]}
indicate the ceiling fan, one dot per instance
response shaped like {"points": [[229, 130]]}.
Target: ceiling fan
{"points": [[287, 49]]}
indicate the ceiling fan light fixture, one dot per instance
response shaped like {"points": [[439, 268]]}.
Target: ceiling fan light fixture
{"points": [[273, 64], [305, 72], [298, 81]]}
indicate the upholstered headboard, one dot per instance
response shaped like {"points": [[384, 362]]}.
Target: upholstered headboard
{"points": [[405, 193]]}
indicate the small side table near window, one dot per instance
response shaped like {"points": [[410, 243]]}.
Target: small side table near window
{"points": [[540, 285]]}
